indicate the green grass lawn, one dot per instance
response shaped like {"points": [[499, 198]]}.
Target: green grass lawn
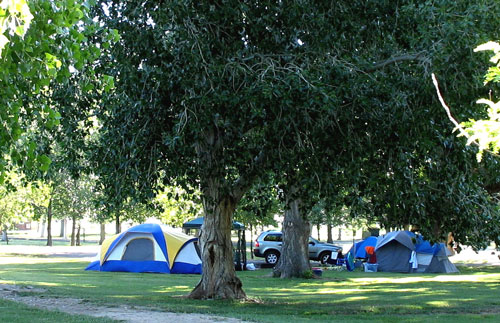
{"points": [[474, 294], [13, 312]]}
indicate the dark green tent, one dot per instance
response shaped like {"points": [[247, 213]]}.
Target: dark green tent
{"points": [[198, 222]]}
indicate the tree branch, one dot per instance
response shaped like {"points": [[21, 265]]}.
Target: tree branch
{"points": [[395, 59], [453, 120], [448, 111], [245, 181]]}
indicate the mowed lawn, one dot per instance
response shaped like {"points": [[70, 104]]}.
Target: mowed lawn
{"points": [[472, 295]]}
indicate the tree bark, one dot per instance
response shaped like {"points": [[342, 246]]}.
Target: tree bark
{"points": [[219, 280], [294, 258], [42, 230], [318, 228], [251, 241], [329, 233], [118, 225], [5, 235], [78, 235], [49, 224], [62, 234], [103, 234], [73, 229]]}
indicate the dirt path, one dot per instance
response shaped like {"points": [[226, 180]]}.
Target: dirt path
{"points": [[122, 313]]}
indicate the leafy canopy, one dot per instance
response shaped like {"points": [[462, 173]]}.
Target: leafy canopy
{"points": [[486, 132], [41, 44], [15, 18]]}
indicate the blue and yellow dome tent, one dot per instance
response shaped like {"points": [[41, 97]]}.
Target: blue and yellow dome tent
{"points": [[149, 248]]}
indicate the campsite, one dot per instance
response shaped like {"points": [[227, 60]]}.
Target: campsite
{"points": [[352, 147], [56, 280]]}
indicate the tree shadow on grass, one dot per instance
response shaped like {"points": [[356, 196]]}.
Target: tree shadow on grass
{"points": [[342, 294]]}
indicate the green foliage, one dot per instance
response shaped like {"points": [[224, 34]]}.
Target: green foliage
{"points": [[308, 274], [15, 18], [177, 206], [486, 132], [349, 106], [41, 45], [15, 201], [74, 198], [259, 206]]}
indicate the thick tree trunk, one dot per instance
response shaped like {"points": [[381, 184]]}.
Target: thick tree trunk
{"points": [[329, 239], [49, 224], [73, 229], [219, 280], [103, 234], [294, 258]]}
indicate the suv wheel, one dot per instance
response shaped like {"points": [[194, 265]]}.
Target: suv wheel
{"points": [[272, 257], [324, 257]]}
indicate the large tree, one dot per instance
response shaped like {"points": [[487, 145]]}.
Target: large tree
{"points": [[401, 165], [205, 97], [214, 95]]}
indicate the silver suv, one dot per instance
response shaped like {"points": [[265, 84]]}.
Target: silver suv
{"points": [[268, 245]]}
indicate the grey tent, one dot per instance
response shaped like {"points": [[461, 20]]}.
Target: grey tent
{"points": [[393, 252], [435, 261], [441, 264]]}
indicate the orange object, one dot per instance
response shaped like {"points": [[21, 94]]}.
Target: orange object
{"points": [[370, 251]]}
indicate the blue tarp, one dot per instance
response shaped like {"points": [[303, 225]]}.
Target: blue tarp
{"points": [[360, 247]]}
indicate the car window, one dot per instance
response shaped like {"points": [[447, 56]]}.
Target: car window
{"points": [[273, 237]]}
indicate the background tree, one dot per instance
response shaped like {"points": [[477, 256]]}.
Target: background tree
{"points": [[75, 199], [259, 206], [15, 203], [41, 201], [177, 206]]}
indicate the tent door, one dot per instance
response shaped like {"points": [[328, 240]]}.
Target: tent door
{"points": [[140, 249]]}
